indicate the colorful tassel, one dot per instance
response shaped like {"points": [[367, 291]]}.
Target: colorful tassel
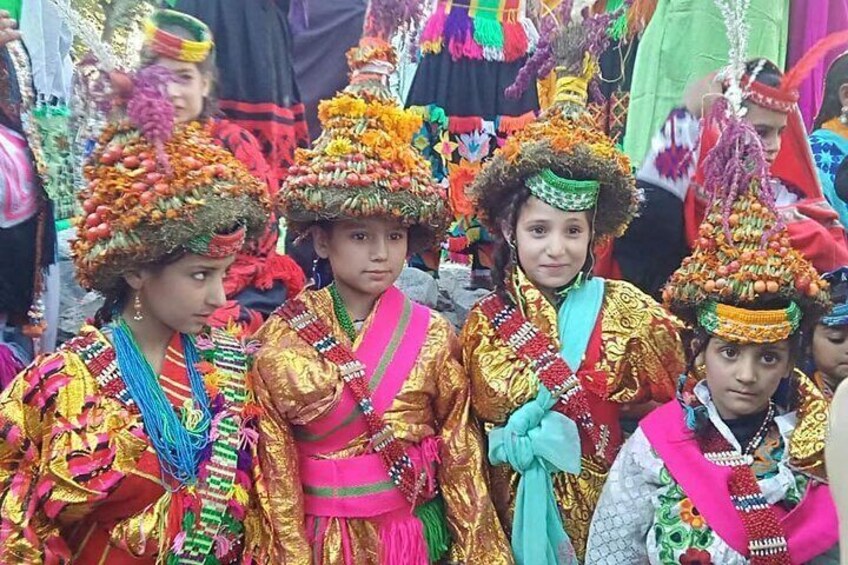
{"points": [[515, 41], [433, 34], [464, 124], [402, 541], [511, 124], [435, 527], [457, 29]]}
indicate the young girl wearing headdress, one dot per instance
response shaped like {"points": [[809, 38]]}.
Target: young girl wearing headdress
{"points": [[828, 346], [555, 355], [259, 279], [134, 442], [731, 472], [369, 453]]}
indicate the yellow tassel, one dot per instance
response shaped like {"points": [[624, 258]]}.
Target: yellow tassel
{"points": [[240, 495]]}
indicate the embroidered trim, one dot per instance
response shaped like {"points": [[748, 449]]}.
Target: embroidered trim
{"points": [[217, 491], [564, 194], [175, 47], [216, 245], [532, 345], [749, 326], [382, 438], [99, 358]]}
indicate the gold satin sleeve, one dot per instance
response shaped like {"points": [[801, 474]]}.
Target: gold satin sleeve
{"points": [[478, 537], [50, 411], [280, 493], [642, 349]]}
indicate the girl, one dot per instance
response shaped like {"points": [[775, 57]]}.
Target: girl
{"points": [[132, 443], [672, 177], [368, 448], [259, 279], [552, 340], [829, 140], [727, 473], [829, 345]]}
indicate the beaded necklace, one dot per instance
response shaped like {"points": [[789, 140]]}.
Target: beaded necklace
{"points": [[179, 441], [342, 315]]}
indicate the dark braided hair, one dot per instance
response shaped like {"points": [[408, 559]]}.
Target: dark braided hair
{"points": [[831, 107]]}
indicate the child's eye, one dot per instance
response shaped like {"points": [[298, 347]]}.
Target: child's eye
{"points": [[574, 230], [359, 236], [397, 236], [729, 352], [538, 230], [199, 276]]}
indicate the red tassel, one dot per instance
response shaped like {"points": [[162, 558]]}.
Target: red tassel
{"points": [[511, 124], [465, 124], [805, 65], [515, 41]]}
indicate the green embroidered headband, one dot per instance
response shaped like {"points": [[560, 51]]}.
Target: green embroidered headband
{"points": [[564, 194]]}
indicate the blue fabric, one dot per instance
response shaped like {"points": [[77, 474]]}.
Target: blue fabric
{"points": [[576, 320], [537, 442], [829, 149]]}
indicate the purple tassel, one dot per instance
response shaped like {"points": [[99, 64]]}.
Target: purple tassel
{"points": [[457, 30], [150, 108]]}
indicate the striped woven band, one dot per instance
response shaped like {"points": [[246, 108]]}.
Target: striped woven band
{"points": [[172, 46], [739, 325], [564, 194], [218, 246]]}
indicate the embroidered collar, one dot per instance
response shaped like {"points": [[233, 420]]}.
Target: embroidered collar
{"points": [[533, 305]]}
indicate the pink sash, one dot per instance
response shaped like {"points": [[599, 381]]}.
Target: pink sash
{"points": [[389, 350], [811, 527]]}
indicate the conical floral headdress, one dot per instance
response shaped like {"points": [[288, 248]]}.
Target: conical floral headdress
{"points": [[563, 158], [364, 165], [743, 261]]}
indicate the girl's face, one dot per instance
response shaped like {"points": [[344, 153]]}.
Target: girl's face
{"points": [[189, 91], [184, 294], [830, 352], [552, 244], [367, 256], [769, 125], [743, 378]]}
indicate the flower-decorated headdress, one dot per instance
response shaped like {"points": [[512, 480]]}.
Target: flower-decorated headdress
{"points": [[364, 165], [743, 281], [166, 44], [155, 189], [562, 158]]}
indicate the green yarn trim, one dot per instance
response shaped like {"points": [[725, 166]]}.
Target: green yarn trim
{"points": [[435, 526], [342, 314], [488, 31], [564, 194]]}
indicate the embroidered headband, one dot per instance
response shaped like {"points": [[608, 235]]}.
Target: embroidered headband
{"points": [[218, 246], [564, 194], [741, 325], [172, 46], [769, 97]]}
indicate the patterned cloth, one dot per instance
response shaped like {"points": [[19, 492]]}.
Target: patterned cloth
{"points": [[829, 145], [669, 529], [636, 358], [295, 386], [78, 476]]}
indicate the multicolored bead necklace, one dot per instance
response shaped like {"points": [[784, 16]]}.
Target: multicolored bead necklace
{"points": [[179, 442]]}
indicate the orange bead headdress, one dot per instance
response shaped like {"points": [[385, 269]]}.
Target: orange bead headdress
{"points": [[155, 189], [364, 165]]}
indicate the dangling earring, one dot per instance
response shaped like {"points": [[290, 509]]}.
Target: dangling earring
{"points": [[138, 316], [701, 371], [843, 117], [316, 273]]}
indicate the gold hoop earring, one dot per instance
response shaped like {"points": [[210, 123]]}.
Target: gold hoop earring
{"points": [[138, 316]]}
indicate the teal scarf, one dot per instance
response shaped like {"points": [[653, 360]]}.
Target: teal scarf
{"points": [[537, 442], [576, 320]]}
